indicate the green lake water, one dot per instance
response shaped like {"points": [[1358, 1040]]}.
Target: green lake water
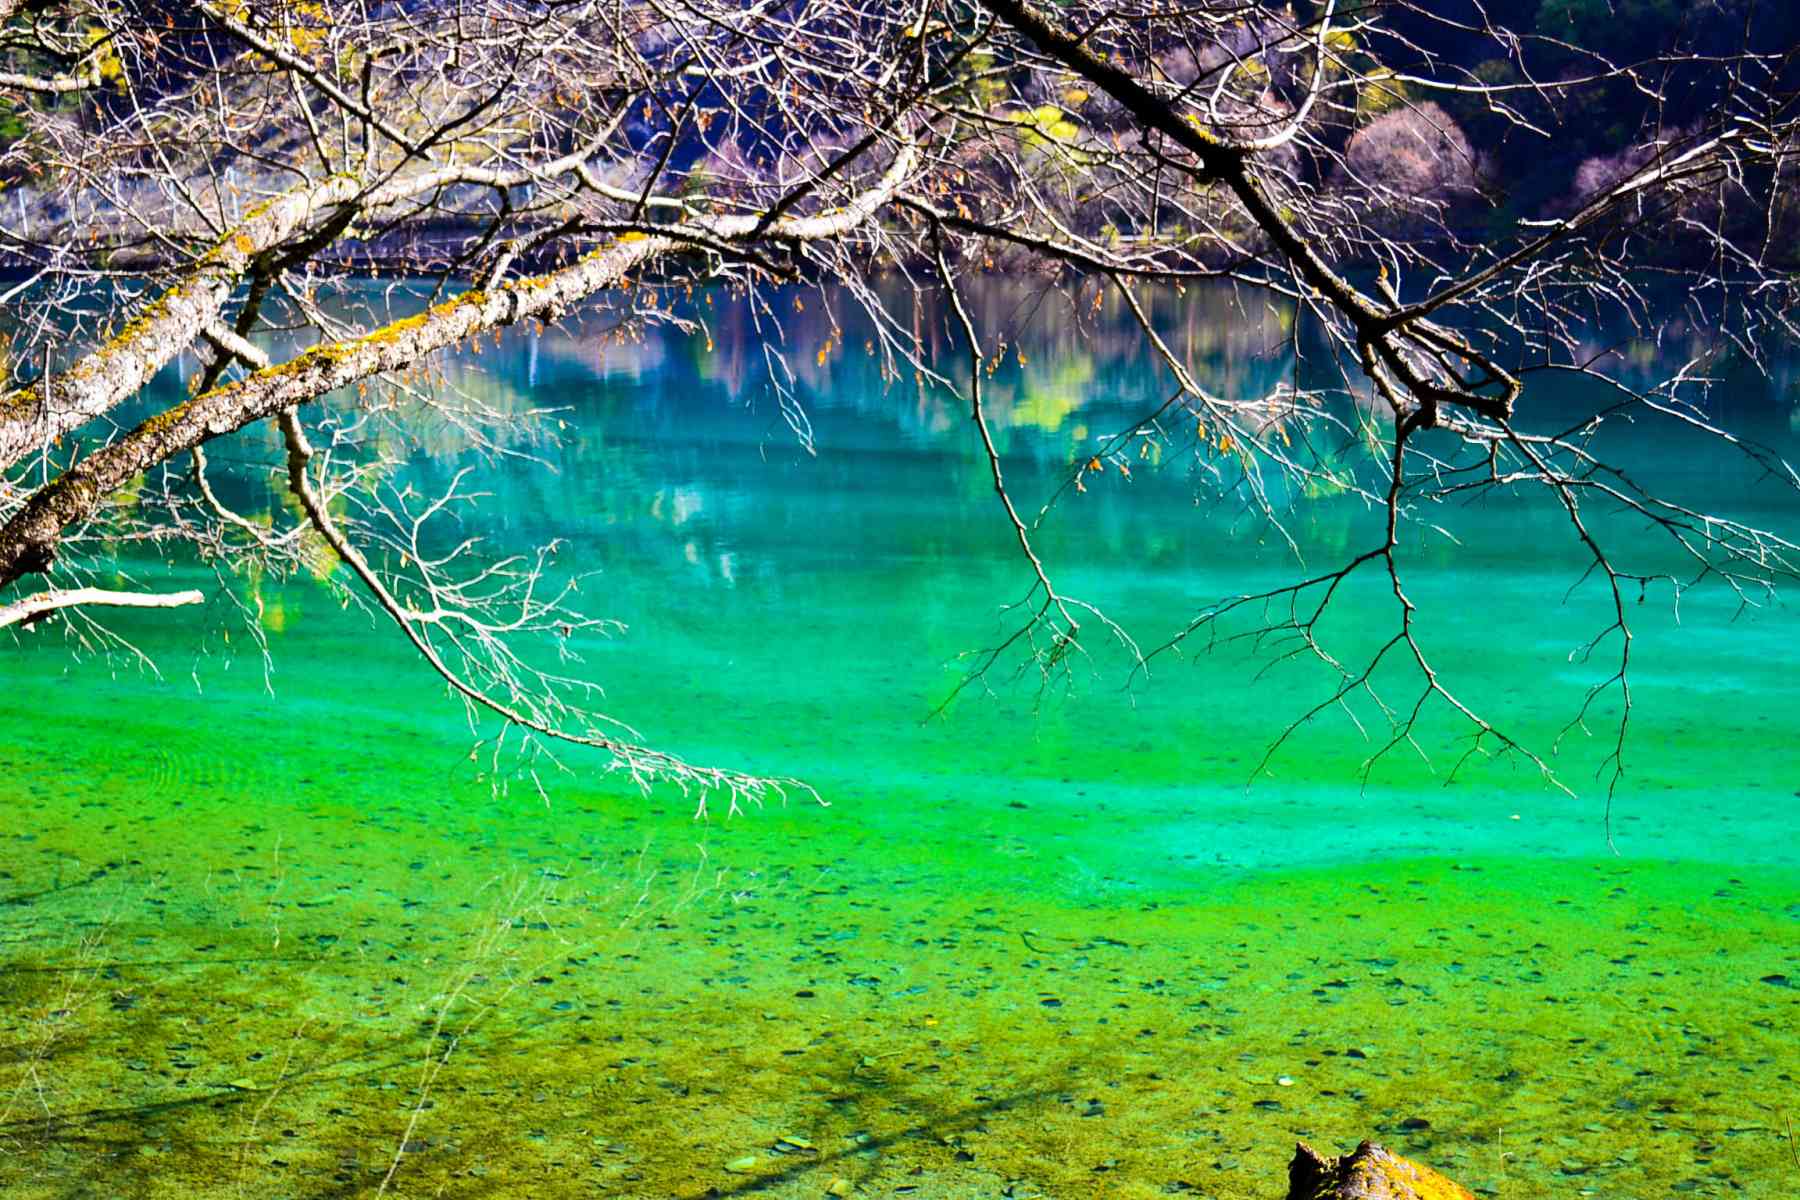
{"points": [[278, 934]]}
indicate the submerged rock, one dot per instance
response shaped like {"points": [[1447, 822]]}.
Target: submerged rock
{"points": [[1370, 1172]]}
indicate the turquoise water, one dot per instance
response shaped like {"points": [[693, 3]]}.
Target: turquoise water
{"points": [[278, 932]]}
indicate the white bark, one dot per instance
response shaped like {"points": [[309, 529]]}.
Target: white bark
{"points": [[28, 542], [43, 603], [40, 414]]}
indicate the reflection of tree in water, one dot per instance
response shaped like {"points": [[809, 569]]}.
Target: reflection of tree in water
{"points": [[661, 478], [1055, 359]]}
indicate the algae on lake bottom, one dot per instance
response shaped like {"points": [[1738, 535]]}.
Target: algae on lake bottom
{"points": [[509, 1006]]}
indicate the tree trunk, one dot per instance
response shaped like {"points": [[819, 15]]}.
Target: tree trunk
{"points": [[1370, 1172]]}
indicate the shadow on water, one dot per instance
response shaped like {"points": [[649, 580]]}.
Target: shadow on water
{"points": [[94, 1144], [139, 964], [26, 898], [941, 1122], [120, 1130]]}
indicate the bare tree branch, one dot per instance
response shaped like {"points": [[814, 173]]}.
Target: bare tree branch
{"points": [[35, 607]]}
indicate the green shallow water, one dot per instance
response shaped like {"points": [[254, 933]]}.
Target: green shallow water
{"points": [[281, 936]]}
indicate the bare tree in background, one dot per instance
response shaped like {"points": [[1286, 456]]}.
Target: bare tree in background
{"points": [[210, 179]]}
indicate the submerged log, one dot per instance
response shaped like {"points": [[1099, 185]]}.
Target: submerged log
{"points": [[1370, 1172]]}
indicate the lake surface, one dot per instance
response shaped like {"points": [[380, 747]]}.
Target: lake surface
{"points": [[280, 933]]}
